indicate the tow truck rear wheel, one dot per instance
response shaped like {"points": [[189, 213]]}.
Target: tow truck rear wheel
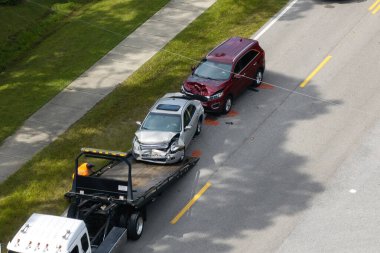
{"points": [[135, 226], [72, 210]]}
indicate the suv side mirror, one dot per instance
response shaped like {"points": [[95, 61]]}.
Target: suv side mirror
{"points": [[138, 123], [188, 127]]}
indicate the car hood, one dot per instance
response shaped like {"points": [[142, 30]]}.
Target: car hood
{"points": [[154, 137], [202, 86]]}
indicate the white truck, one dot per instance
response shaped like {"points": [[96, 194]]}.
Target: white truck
{"points": [[106, 207], [54, 234]]}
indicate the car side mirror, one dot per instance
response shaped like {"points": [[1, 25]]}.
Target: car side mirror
{"points": [[192, 68], [188, 127], [138, 123], [236, 76]]}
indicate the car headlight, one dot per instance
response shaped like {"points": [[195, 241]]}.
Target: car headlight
{"points": [[217, 95], [183, 89], [136, 145], [176, 146]]}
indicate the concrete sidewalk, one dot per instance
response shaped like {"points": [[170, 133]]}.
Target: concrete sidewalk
{"points": [[81, 95]]}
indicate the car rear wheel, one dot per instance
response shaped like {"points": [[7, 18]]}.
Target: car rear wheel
{"points": [[258, 79], [199, 127], [227, 105]]}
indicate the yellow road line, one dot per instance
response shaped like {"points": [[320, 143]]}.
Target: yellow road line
{"points": [[315, 71], [377, 9], [374, 5], [191, 202]]}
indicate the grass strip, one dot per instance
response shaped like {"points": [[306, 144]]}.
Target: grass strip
{"points": [[80, 40], [39, 186]]}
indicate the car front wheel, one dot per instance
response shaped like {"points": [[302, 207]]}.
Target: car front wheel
{"points": [[227, 105], [182, 156]]}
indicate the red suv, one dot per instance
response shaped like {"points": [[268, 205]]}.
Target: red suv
{"points": [[226, 72]]}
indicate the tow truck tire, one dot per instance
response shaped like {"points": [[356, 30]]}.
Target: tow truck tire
{"points": [[135, 226], [72, 211], [123, 221]]}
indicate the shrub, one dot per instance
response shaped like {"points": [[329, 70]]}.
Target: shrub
{"points": [[10, 2]]}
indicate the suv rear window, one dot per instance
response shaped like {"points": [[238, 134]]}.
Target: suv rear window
{"points": [[243, 62]]}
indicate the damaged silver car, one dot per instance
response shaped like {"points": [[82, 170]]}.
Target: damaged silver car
{"points": [[168, 129]]}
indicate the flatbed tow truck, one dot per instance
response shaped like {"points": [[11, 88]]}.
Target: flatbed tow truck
{"points": [[105, 208]]}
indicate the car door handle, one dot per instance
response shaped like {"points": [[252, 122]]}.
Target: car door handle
{"points": [[255, 64]]}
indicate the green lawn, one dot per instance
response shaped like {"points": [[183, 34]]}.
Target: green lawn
{"points": [[79, 40], [19, 17], [39, 186], [26, 24]]}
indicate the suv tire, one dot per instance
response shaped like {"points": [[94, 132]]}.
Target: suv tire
{"points": [[258, 78], [227, 105]]}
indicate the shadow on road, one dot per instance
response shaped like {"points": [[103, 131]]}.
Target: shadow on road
{"points": [[259, 177], [301, 7]]}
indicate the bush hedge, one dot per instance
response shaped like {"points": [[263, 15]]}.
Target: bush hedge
{"points": [[10, 2]]}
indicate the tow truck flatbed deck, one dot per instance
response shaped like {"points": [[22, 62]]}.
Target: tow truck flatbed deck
{"points": [[125, 180], [118, 193], [145, 176]]}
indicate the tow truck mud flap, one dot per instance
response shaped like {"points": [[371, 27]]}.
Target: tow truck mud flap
{"points": [[113, 243]]}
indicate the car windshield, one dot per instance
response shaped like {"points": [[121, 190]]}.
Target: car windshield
{"points": [[162, 122], [213, 70]]}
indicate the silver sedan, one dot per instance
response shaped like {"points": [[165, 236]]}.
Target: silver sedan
{"points": [[168, 129]]}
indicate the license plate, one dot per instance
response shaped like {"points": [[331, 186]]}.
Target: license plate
{"points": [[154, 154]]}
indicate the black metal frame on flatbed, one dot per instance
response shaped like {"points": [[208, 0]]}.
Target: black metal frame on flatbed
{"points": [[95, 184], [119, 191], [113, 197]]}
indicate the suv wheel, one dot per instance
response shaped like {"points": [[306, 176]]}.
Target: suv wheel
{"points": [[227, 105], [258, 78]]}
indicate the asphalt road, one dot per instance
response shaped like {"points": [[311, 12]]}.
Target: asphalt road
{"points": [[293, 169]]}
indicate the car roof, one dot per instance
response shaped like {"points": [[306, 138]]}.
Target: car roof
{"points": [[229, 50], [170, 101]]}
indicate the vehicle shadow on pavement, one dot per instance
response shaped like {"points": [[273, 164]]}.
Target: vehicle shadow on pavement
{"points": [[339, 1], [258, 167], [301, 7]]}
